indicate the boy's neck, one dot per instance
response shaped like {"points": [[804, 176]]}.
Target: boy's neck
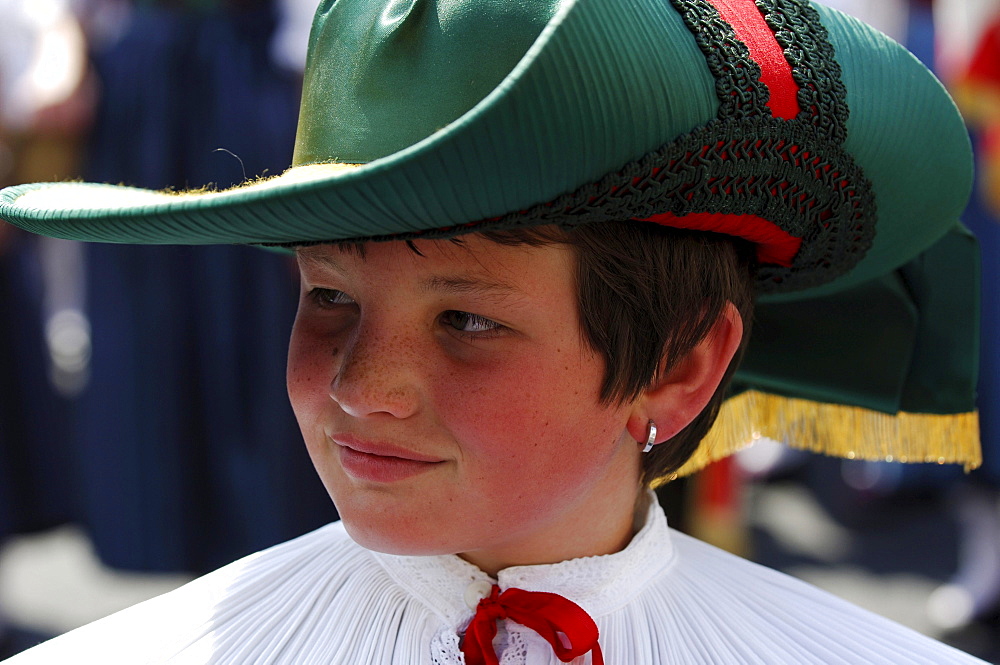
{"points": [[597, 536]]}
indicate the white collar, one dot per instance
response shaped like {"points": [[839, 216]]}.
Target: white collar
{"points": [[599, 584]]}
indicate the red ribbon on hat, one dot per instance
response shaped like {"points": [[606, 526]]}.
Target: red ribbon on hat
{"points": [[558, 620]]}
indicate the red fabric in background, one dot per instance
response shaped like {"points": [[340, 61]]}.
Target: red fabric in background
{"points": [[984, 67]]}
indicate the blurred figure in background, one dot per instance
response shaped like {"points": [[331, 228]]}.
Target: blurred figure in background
{"points": [[969, 50], [46, 103], [191, 96], [143, 342]]}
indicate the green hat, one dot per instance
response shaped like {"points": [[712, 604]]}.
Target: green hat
{"points": [[786, 123]]}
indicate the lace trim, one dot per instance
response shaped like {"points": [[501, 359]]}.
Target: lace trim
{"points": [[761, 166], [806, 42], [594, 583], [822, 95], [446, 648], [597, 583], [737, 76]]}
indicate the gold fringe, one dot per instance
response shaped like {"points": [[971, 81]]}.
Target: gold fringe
{"points": [[842, 431]]}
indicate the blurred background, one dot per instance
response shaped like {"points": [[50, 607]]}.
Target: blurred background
{"points": [[145, 435]]}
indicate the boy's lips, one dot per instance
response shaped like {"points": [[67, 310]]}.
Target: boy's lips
{"points": [[379, 461]]}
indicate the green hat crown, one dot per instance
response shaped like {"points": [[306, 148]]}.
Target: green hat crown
{"points": [[407, 73]]}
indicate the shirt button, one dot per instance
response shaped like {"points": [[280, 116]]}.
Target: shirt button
{"points": [[477, 591]]}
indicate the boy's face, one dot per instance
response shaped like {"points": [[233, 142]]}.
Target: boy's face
{"points": [[450, 403]]}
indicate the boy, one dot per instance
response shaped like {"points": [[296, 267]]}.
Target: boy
{"points": [[522, 307]]}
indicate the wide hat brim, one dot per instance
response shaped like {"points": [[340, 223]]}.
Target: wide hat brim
{"points": [[586, 98]]}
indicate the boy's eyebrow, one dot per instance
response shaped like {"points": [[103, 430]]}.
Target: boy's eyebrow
{"points": [[323, 260], [494, 289]]}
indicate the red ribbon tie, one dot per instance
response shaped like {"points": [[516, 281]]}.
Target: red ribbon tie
{"points": [[561, 622]]}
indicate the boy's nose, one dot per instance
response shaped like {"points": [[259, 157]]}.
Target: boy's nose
{"points": [[377, 375]]}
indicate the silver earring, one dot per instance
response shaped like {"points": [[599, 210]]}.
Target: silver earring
{"points": [[651, 438]]}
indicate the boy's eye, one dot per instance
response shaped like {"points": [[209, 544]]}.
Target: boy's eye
{"points": [[470, 323], [330, 297]]}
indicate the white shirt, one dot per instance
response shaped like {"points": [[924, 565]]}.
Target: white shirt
{"points": [[321, 598]]}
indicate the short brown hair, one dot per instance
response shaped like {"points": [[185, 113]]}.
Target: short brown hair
{"points": [[648, 294]]}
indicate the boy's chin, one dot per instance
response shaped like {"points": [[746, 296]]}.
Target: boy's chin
{"points": [[402, 540]]}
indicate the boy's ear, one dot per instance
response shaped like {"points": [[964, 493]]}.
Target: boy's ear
{"points": [[679, 396]]}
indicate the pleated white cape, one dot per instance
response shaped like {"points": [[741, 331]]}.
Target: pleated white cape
{"points": [[321, 598]]}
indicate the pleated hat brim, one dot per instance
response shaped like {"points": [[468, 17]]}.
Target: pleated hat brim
{"points": [[588, 96]]}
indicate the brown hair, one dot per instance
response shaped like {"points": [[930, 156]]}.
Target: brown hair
{"points": [[648, 295]]}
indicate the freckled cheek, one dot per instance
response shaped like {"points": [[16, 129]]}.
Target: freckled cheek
{"points": [[515, 416], [309, 375]]}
